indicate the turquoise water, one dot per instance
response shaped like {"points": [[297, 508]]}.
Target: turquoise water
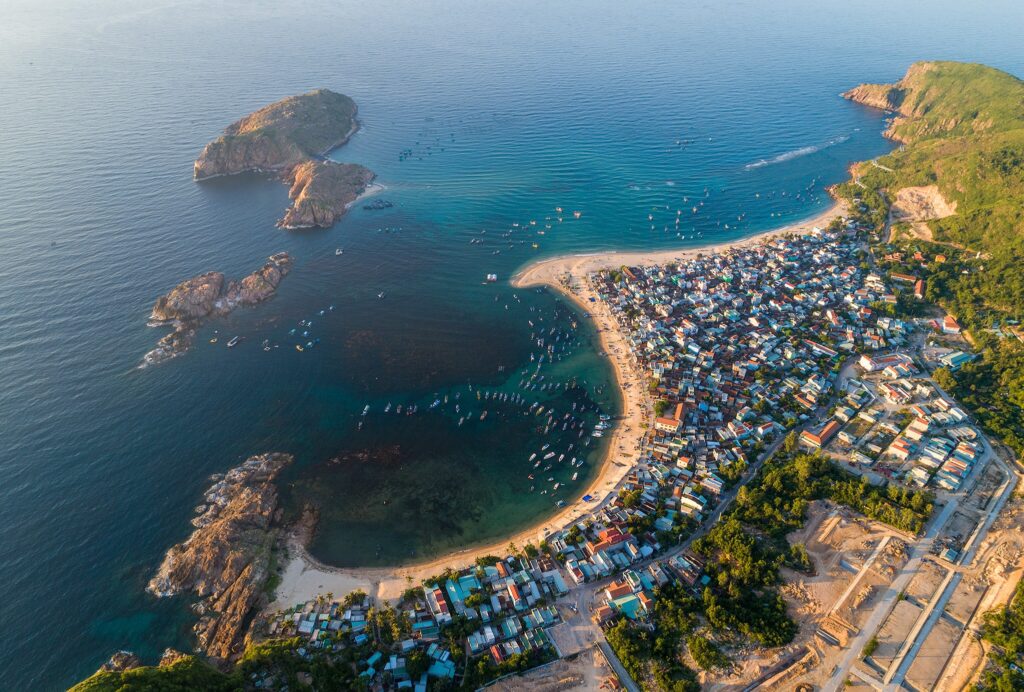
{"points": [[524, 108]]}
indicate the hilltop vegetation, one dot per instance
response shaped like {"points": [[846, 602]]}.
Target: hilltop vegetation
{"points": [[281, 134], [962, 129]]}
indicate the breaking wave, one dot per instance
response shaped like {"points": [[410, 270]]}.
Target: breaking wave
{"points": [[797, 153]]}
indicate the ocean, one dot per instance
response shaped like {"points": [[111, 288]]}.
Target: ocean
{"points": [[479, 118]]}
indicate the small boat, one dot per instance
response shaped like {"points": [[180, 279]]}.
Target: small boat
{"points": [[234, 341], [556, 486], [381, 294], [577, 214], [533, 456], [339, 251], [548, 455], [298, 347], [213, 340], [366, 409]]}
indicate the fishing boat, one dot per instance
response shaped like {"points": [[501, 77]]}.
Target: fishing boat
{"points": [[339, 251], [576, 475], [366, 409], [556, 486], [298, 347], [533, 456], [234, 341], [577, 214], [548, 455], [381, 294]]}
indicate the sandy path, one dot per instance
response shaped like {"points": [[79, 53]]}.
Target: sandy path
{"points": [[305, 577]]}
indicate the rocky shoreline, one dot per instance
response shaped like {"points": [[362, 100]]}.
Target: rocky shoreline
{"points": [[194, 300], [227, 561], [290, 137]]}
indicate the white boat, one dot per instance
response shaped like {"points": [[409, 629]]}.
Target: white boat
{"points": [[548, 455], [339, 251], [556, 486], [533, 456], [234, 341], [576, 475], [381, 294]]}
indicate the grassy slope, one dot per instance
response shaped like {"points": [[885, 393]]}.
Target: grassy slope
{"points": [[963, 129]]}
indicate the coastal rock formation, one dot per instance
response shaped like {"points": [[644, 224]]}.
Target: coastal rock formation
{"points": [[942, 99], [289, 137], [280, 135], [321, 192], [886, 97], [191, 299], [190, 302], [120, 662], [226, 561]]}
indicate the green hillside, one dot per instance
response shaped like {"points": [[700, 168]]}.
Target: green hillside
{"points": [[962, 129]]}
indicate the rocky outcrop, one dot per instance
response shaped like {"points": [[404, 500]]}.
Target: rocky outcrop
{"points": [[120, 662], [189, 303], [280, 135], [321, 192], [886, 97], [171, 656], [289, 137], [192, 299], [226, 561]]}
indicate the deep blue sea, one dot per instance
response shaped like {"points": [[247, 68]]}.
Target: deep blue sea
{"points": [[476, 116]]}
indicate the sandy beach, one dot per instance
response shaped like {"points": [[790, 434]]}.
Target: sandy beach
{"points": [[305, 577], [371, 190]]}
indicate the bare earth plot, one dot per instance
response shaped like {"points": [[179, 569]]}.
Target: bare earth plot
{"points": [[894, 633], [931, 658], [587, 671]]}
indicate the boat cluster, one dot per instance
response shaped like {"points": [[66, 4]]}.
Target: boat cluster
{"points": [[303, 333]]}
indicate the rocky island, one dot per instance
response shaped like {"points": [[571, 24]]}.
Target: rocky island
{"points": [[192, 301], [321, 192], [226, 562], [290, 137]]}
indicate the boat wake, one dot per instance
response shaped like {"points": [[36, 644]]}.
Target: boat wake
{"points": [[796, 153]]}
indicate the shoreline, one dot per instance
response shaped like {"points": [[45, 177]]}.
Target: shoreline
{"points": [[371, 190], [305, 577]]}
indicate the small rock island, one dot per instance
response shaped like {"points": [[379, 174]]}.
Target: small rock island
{"points": [[290, 137], [189, 303]]}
